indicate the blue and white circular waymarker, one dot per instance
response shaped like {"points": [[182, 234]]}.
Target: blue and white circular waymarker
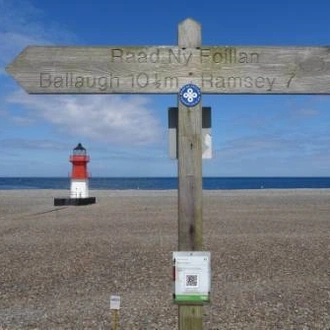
{"points": [[190, 95]]}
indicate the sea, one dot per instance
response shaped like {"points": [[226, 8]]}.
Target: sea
{"points": [[162, 183]]}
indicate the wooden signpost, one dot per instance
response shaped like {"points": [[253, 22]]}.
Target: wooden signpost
{"points": [[164, 69], [190, 224], [189, 70]]}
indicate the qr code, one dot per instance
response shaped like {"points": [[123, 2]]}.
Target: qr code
{"points": [[191, 280]]}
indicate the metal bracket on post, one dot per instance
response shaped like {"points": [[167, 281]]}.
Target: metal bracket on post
{"points": [[173, 133]]}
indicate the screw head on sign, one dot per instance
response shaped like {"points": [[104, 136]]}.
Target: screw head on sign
{"points": [[190, 95]]}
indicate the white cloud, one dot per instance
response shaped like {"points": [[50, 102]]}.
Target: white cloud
{"points": [[112, 119], [115, 120], [21, 25], [282, 144], [25, 144]]}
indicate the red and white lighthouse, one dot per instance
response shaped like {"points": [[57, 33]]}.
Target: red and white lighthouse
{"points": [[79, 174], [79, 193]]}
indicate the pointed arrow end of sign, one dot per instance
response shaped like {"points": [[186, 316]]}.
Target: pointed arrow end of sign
{"points": [[12, 71], [17, 66], [19, 61], [9, 69]]}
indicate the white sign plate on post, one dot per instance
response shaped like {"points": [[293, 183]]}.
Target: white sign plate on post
{"points": [[192, 277], [173, 133], [115, 302]]}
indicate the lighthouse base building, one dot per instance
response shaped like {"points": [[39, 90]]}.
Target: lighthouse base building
{"points": [[79, 192], [74, 201]]}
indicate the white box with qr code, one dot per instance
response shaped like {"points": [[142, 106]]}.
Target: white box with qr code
{"points": [[192, 277]]}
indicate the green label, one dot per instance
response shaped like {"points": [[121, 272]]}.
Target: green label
{"points": [[192, 298]]}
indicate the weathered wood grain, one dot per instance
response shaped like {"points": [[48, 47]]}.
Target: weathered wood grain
{"points": [[164, 69], [190, 221]]}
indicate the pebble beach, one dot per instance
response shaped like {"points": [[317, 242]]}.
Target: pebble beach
{"points": [[270, 252]]}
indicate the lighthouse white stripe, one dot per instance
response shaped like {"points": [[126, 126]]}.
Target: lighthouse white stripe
{"points": [[79, 188]]}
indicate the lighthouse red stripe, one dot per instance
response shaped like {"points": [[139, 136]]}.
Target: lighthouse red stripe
{"points": [[79, 166]]}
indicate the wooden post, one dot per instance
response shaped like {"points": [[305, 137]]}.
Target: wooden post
{"points": [[190, 177], [114, 319]]}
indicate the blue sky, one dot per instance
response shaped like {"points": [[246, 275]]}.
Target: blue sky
{"points": [[126, 135]]}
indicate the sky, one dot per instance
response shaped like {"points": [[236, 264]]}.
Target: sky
{"points": [[127, 135]]}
